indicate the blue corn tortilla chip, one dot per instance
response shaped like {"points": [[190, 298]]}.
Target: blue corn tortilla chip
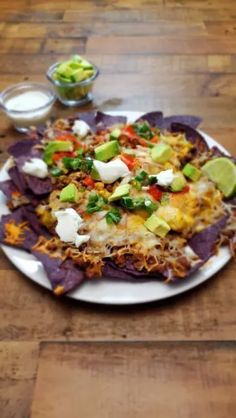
{"points": [[104, 120], [22, 151], [189, 120], [26, 183], [155, 119], [64, 276], [192, 136], [18, 179], [203, 243], [128, 272], [39, 186], [22, 148], [88, 117], [26, 238], [8, 188]]}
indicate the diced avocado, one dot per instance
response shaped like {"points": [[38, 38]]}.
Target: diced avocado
{"points": [[74, 70], [69, 193], [192, 172], [94, 174], [161, 153], [86, 65], [55, 146], [107, 151], [157, 225], [65, 70], [88, 74], [77, 75], [178, 183], [120, 192], [115, 134]]}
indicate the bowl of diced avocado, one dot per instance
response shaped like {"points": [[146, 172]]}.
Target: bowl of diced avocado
{"points": [[73, 80]]}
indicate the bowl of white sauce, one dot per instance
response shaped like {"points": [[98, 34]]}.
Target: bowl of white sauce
{"points": [[27, 105]]}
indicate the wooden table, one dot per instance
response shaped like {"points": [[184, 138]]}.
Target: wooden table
{"points": [[175, 359]]}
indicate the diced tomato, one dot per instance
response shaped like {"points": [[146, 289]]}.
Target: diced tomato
{"points": [[88, 181], [142, 142], [129, 160], [155, 192], [59, 155], [71, 138], [155, 139], [185, 189], [130, 131]]}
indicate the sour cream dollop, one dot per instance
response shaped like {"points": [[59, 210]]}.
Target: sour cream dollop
{"points": [[80, 128], [68, 223], [35, 167], [112, 171], [165, 178]]}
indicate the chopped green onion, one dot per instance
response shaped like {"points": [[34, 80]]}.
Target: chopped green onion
{"points": [[113, 216], [56, 171], [139, 203], [95, 203], [152, 180], [143, 130], [141, 176], [78, 163]]}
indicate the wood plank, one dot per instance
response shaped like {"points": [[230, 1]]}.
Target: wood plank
{"points": [[155, 45], [18, 365], [163, 86], [151, 13], [30, 313], [205, 4], [27, 15], [75, 30], [135, 381], [123, 64], [19, 45]]}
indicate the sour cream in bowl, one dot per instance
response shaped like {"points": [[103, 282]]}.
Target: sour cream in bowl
{"points": [[27, 104]]}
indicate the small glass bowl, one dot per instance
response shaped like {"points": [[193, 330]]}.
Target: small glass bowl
{"points": [[30, 115], [73, 94]]}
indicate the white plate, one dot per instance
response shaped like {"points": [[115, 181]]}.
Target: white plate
{"points": [[116, 292]]}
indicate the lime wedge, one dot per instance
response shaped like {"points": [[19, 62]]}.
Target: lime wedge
{"points": [[222, 171]]}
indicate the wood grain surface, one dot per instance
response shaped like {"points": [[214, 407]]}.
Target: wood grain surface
{"points": [[175, 358], [135, 380]]}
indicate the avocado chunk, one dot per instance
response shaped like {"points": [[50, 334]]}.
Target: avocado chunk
{"points": [[55, 146], [115, 134], [77, 75], [120, 192], [157, 225], [69, 193], [178, 183], [94, 174], [107, 151], [161, 153], [74, 70], [192, 172]]}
